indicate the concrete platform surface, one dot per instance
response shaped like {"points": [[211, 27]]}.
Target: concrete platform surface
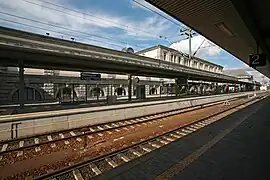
{"points": [[235, 148]]}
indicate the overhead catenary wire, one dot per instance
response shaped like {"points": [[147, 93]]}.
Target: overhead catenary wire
{"points": [[88, 14], [65, 28], [124, 27], [161, 15], [198, 47], [62, 33]]}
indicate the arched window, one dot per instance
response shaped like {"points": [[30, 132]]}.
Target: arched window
{"points": [[96, 92], [65, 93], [120, 91], [30, 94], [153, 91]]}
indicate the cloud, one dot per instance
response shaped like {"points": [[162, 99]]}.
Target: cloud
{"points": [[100, 24], [207, 48]]}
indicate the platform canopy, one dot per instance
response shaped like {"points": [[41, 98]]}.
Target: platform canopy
{"points": [[235, 25]]}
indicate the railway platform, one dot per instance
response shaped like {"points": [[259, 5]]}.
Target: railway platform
{"points": [[236, 147], [42, 122]]}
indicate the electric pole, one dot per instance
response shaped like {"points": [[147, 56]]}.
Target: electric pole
{"points": [[189, 37], [188, 32]]}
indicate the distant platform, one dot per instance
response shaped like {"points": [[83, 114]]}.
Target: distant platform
{"points": [[91, 102]]}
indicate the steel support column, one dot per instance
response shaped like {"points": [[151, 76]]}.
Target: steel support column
{"points": [[85, 92], [129, 87], [21, 84], [73, 93]]}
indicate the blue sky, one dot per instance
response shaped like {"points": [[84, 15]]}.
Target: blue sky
{"points": [[107, 23]]}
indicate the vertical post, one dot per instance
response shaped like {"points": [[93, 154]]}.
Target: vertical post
{"points": [[167, 89], [73, 93], [11, 130], [34, 94], [111, 89], [187, 89], [189, 37], [16, 130], [21, 84], [85, 92], [98, 91], [129, 87], [61, 95]]}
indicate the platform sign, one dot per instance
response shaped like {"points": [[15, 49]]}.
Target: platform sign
{"points": [[257, 60], [90, 76]]}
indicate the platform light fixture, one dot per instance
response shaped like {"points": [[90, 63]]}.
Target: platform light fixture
{"points": [[224, 28]]}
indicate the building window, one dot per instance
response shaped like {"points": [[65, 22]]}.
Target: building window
{"points": [[185, 62], [194, 64], [171, 58], [30, 94], [220, 69], [188, 62], [182, 60], [164, 56], [201, 65], [177, 59]]}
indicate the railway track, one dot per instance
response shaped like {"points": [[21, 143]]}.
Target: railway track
{"points": [[96, 166], [80, 140], [25, 143]]}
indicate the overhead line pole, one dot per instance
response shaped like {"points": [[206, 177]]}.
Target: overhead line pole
{"points": [[189, 37]]}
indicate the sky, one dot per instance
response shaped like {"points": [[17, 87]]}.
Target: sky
{"points": [[112, 24]]}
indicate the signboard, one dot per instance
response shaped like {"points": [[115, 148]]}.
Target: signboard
{"points": [[90, 76], [257, 60]]}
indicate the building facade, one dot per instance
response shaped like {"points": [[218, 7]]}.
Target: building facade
{"points": [[171, 55]]}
